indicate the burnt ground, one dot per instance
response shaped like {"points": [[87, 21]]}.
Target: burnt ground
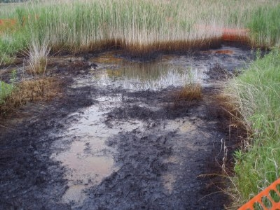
{"points": [[142, 157], [159, 165], [29, 178]]}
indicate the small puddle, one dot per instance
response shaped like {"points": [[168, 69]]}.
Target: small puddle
{"points": [[150, 76], [171, 70]]}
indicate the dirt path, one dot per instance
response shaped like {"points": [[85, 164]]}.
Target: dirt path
{"points": [[119, 139]]}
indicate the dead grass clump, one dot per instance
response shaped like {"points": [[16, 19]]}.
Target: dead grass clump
{"points": [[42, 89], [190, 92]]}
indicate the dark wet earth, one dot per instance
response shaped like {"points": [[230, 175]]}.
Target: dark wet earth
{"points": [[120, 138]]}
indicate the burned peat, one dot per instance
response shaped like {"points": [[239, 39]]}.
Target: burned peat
{"points": [[123, 134]]}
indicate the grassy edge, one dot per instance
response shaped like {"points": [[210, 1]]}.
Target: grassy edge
{"points": [[255, 94]]}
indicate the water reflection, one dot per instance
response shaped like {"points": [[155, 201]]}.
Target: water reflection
{"points": [[150, 76]]}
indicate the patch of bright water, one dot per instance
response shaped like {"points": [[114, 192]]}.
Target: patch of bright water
{"points": [[173, 71], [89, 160], [150, 76]]}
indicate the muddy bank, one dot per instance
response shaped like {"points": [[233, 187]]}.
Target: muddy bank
{"points": [[119, 138]]}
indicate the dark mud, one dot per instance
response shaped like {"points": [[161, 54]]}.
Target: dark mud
{"points": [[29, 179], [159, 167], [114, 142]]}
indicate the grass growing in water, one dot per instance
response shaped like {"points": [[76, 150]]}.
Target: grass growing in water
{"points": [[7, 89], [256, 94]]}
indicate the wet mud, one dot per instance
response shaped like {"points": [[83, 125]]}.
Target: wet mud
{"points": [[119, 138]]}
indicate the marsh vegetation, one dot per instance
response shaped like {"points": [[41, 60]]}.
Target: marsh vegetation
{"points": [[137, 27]]}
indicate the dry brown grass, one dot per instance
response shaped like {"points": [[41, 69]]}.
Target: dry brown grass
{"points": [[38, 67], [38, 58], [190, 92], [42, 89], [226, 110], [140, 49], [231, 119], [171, 46], [228, 107], [239, 135]]}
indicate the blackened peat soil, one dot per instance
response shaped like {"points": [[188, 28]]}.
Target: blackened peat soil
{"points": [[170, 158]]}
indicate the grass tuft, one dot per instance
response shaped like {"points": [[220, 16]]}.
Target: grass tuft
{"points": [[189, 92], [38, 58]]}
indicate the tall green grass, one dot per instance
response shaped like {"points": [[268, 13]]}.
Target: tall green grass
{"points": [[257, 95], [265, 26], [141, 25]]}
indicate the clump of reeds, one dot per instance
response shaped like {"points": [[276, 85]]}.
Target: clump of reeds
{"points": [[228, 107], [38, 58]]}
